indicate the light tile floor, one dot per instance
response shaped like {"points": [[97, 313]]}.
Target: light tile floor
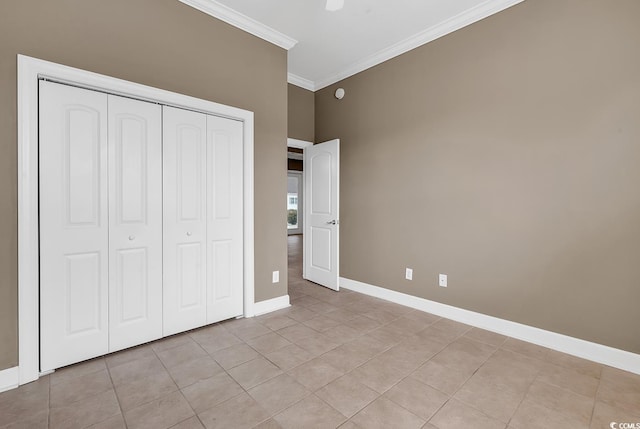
{"points": [[330, 360]]}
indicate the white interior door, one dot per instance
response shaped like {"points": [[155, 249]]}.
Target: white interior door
{"points": [[135, 222], [322, 224], [225, 280], [74, 230], [185, 223]]}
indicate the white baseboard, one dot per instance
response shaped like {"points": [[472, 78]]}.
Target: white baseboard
{"points": [[574, 346], [9, 379], [270, 305]]}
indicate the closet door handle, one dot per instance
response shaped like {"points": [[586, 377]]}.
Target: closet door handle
{"points": [[132, 237], [188, 233]]}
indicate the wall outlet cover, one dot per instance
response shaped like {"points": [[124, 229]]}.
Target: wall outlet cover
{"points": [[442, 280], [408, 274]]}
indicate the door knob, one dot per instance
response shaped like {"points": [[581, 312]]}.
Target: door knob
{"points": [[332, 222], [189, 233], [132, 237]]}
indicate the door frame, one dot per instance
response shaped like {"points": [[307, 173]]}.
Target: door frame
{"points": [[30, 70], [301, 144]]}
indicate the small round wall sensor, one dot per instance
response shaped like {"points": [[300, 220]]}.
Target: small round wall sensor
{"points": [[339, 93]]}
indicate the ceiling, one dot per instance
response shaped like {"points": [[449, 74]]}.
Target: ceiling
{"points": [[325, 47]]}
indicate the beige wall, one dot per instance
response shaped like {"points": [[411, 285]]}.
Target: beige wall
{"points": [[161, 43], [301, 113], [507, 156]]}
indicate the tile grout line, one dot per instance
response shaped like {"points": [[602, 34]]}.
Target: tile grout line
{"points": [[116, 394], [49, 401], [330, 406], [595, 398], [244, 391], [452, 396], [530, 385], [522, 400], [174, 381], [381, 395], [101, 358], [310, 391], [545, 361]]}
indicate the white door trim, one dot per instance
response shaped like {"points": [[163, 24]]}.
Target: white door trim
{"points": [[29, 71], [298, 144]]}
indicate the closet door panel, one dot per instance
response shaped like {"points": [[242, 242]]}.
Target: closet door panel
{"points": [[73, 225], [224, 219], [135, 218], [185, 228]]}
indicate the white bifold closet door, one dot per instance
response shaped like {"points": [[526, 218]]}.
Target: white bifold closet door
{"points": [[224, 219], [74, 225], [100, 223], [203, 265], [141, 222], [135, 222], [185, 224]]}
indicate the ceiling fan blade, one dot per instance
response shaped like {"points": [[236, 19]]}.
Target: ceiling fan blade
{"points": [[333, 5]]}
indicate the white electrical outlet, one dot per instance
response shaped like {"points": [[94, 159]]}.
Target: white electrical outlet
{"points": [[275, 277], [408, 274], [442, 280]]}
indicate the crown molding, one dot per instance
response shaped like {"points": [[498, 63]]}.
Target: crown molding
{"points": [[243, 22], [296, 80], [434, 32]]}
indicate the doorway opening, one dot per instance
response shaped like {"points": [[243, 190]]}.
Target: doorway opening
{"points": [[295, 204], [295, 208], [318, 218]]}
